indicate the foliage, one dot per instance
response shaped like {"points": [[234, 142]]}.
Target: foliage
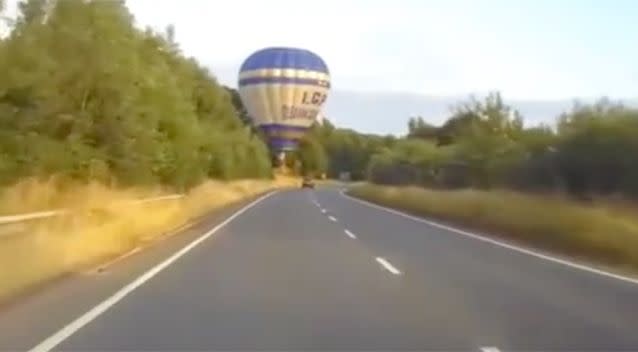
{"points": [[478, 142], [597, 151], [483, 144], [312, 156], [347, 150], [87, 95]]}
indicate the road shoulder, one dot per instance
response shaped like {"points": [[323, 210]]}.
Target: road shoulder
{"points": [[26, 321]]}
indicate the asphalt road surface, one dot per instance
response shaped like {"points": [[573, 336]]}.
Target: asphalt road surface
{"points": [[315, 270]]}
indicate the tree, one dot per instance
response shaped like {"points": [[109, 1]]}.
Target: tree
{"points": [[132, 107], [489, 117], [596, 149], [240, 109], [32, 12], [312, 157], [418, 128]]}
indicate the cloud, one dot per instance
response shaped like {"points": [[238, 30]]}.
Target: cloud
{"points": [[428, 47]]}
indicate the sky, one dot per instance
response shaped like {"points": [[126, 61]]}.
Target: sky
{"points": [[392, 59], [527, 49]]}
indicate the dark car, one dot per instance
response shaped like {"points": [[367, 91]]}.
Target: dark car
{"points": [[307, 183]]}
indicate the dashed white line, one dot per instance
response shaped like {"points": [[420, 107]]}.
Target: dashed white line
{"points": [[64, 333], [323, 210], [568, 263], [389, 267], [332, 218], [350, 234], [490, 349]]}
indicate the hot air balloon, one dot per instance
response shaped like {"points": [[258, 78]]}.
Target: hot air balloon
{"points": [[283, 91]]}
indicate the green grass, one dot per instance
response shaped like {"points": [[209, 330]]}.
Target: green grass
{"points": [[603, 232]]}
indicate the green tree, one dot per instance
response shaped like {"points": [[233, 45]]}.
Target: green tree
{"points": [[597, 149], [418, 128], [86, 94], [408, 161], [489, 117], [312, 156]]}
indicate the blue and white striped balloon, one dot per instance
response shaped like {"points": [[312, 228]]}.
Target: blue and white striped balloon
{"points": [[283, 90]]}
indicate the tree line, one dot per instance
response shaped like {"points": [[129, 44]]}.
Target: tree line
{"points": [[86, 94], [591, 150]]}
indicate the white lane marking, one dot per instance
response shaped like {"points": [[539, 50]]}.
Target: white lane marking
{"points": [[57, 338], [490, 349], [323, 210], [386, 264], [350, 234], [498, 243], [332, 218]]}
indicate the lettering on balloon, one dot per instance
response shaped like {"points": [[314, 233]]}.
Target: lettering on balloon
{"points": [[314, 98], [294, 112]]}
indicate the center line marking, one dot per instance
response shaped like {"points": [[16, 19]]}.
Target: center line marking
{"points": [[386, 264], [332, 218], [350, 234]]}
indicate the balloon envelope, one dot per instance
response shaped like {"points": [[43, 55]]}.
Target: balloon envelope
{"points": [[283, 90]]}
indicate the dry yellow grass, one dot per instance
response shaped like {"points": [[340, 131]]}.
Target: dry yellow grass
{"points": [[599, 232], [102, 224]]}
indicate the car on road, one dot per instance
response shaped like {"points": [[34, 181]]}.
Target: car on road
{"points": [[307, 183]]}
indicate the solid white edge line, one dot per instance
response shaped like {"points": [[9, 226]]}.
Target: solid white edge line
{"points": [[332, 218], [350, 234], [389, 267], [61, 335], [498, 243]]}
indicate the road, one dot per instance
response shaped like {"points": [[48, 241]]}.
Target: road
{"points": [[315, 270]]}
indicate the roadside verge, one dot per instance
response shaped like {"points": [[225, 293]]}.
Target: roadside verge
{"points": [[97, 231], [601, 234]]}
